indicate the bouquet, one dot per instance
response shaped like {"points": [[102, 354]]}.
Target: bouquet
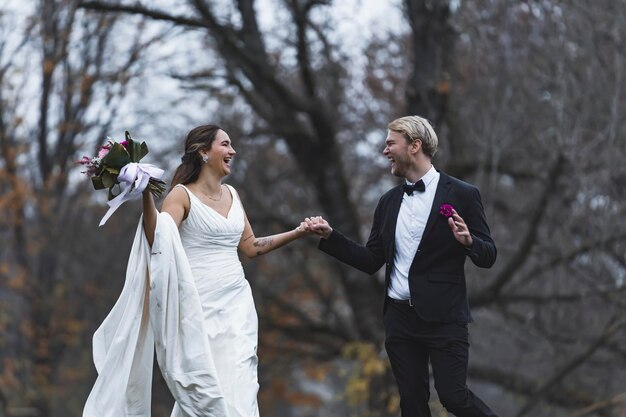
{"points": [[117, 168]]}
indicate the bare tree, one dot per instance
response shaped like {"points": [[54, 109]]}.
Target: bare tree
{"points": [[294, 103], [526, 97], [76, 87], [535, 96]]}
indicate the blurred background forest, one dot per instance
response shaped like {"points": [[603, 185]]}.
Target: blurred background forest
{"points": [[528, 98]]}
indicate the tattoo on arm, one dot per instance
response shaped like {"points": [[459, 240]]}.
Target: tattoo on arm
{"points": [[265, 241], [248, 237]]}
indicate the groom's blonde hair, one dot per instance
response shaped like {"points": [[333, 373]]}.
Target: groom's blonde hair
{"points": [[414, 128]]}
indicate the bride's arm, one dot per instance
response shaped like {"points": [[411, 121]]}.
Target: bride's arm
{"points": [[176, 204], [253, 246], [149, 215]]}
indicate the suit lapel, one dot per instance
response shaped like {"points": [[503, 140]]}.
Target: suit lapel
{"points": [[443, 187], [392, 213]]}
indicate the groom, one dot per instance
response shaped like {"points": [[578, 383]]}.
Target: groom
{"points": [[422, 232]]}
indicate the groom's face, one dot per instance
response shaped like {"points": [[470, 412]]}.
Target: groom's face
{"points": [[397, 151]]}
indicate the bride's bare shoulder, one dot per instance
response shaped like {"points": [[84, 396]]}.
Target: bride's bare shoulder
{"points": [[177, 204]]}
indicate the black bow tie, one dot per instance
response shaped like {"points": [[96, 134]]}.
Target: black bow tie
{"points": [[418, 186]]}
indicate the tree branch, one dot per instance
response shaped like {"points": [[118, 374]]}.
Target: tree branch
{"points": [[523, 253], [520, 384], [541, 392], [619, 399], [553, 262], [139, 9]]}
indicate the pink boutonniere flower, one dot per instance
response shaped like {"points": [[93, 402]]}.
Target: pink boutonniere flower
{"points": [[446, 210]]}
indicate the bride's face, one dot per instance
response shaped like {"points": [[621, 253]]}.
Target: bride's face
{"points": [[221, 154]]}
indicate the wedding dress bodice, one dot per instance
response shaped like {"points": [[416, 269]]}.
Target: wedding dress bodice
{"points": [[210, 241]]}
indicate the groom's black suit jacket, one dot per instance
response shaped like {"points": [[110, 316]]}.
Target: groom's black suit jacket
{"points": [[437, 276]]}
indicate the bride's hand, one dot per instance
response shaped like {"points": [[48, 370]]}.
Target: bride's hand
{"points": [[302, 229], [306, 228]]}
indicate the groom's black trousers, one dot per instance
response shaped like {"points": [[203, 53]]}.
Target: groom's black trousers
{"points": [[411, 343]]}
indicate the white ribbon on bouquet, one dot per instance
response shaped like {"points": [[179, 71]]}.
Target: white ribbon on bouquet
{"points": [[133, 179]]}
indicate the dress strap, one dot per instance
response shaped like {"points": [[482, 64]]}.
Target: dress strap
{"points": [[233, 192], [189, 193], [182, 185]]}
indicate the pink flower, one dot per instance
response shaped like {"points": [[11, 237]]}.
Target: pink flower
{"points": [[85, 160], [124, 143], [89, 164], [446, 210], [103, 151]]}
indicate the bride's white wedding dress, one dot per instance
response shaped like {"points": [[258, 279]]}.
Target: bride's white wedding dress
{"points": [[210, 241], [200, 317]]}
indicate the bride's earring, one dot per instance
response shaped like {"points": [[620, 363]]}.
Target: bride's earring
{"points": [[205, 158]]}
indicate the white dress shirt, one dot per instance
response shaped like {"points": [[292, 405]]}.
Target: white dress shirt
{"points": [[412, 218]]}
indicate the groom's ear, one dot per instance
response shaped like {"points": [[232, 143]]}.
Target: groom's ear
{"points": [[416, 145]]}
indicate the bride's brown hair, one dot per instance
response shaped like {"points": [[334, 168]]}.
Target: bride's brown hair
{"points": [[198, 139]]}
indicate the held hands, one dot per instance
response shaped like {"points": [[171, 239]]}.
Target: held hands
{"points": [[315, 225], [460, 229]]}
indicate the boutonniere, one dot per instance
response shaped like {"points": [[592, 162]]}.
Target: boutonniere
{"points": [[446, 210]]}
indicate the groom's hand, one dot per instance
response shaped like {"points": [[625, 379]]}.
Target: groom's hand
{"points": [[318, 226], [460, 229]]}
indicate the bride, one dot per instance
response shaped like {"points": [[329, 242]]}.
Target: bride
{"points": [[186, 296]]}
